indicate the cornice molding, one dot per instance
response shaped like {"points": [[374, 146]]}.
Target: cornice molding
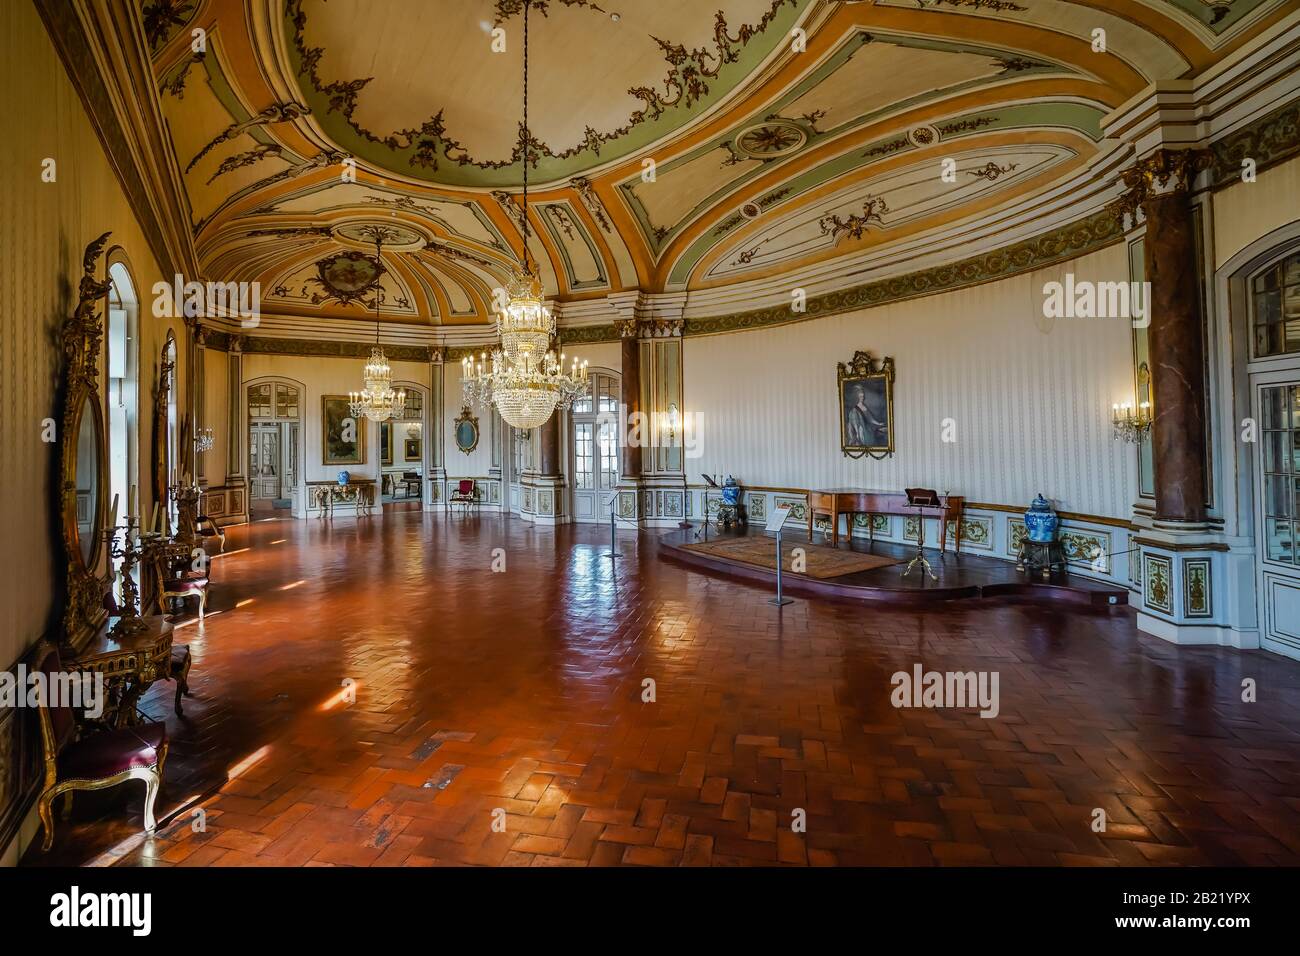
{"points": [[112, 71], [1067, 242]]}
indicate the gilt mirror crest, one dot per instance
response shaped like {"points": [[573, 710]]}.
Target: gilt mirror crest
{"points": [[865, 390]]}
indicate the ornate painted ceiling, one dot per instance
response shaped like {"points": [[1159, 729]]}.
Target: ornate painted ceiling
{"points": [[783, 134]]}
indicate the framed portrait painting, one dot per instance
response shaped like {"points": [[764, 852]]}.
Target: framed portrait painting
{"points": [[343, 438], [865, 391]]}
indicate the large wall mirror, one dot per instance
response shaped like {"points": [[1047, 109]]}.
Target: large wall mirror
{"points": [[86, 479], [83, 471]]}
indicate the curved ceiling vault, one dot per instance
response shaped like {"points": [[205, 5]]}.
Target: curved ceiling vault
{"points": [[768, 159]]}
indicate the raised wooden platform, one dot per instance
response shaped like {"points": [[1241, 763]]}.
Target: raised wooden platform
{"points": [[962, 576]]}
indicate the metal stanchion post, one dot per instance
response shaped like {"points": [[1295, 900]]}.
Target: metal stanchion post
{"points": [[779, 600], [613, 541]]}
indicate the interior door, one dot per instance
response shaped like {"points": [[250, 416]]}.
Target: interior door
{"points": [[1278, 495], [264, 462]]}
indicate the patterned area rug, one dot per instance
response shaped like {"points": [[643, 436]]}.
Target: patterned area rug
{"points": [[760, 550]]}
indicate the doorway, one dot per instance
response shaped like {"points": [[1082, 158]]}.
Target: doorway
{"points": [[274, 438], [1275, 386], [594, 451]]}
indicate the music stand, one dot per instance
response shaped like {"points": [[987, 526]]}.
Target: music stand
{"points": [[920, 499]]}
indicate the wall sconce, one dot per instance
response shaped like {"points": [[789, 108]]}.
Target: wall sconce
{"points": [[1130, 424], [203, 440], [674, 419]]}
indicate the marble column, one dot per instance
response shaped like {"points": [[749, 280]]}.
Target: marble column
{"points": [[548, 462], [630, 395], [1159, 185]]}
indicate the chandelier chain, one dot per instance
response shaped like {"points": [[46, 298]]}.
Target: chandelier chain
{"points": [[527, 134]]}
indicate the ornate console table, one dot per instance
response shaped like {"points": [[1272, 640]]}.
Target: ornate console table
{"points": [[129, 664], [324, 495]]}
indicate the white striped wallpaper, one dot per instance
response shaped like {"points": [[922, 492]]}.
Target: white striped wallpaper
{"points": [[1030, 397]]}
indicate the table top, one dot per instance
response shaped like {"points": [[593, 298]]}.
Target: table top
{"points": [[104, 645]]}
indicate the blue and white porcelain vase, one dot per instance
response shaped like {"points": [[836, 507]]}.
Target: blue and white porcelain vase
{"points": [[730, 492], [344, 478], [1041, 520]]}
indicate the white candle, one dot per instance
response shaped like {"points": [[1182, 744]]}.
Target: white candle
{"points": [[112, 515], [133, 505], [153, 516]]}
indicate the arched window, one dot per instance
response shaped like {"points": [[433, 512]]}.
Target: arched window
{"points": [[123, 393]]}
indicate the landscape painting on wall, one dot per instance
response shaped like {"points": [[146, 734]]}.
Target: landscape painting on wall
{"points": [[343, 438]]}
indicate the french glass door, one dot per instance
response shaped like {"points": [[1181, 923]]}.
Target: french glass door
{"points": [[265, 466], [595, 449], [1278, 494]]}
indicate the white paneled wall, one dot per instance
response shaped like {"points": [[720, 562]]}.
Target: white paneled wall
{"points": [[1030, 397]]}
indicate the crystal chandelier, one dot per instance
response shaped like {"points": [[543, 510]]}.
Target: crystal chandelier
{"points": [[524, 379], [378, 401]]}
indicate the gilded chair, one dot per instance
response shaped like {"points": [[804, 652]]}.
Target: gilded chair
{"points": [[100, 760], [465, 495], [177, 579], [208, 528]]}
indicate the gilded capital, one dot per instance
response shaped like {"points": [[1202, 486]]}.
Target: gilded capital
{"points": [[1163, 172], [626, 328]]}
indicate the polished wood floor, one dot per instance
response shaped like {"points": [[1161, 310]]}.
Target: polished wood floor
{"points": [[516, 698]]}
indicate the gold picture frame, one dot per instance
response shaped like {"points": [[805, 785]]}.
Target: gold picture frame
{"points": [[334, 411], [865, 393]]}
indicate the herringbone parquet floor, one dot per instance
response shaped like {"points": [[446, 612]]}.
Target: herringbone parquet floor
{"points": [[499, 719]]}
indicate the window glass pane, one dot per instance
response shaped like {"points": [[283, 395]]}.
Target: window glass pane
{"points": [[1272, 407], [608, 455], [286, 401], [1281, 540], [583, 455], [1291, 271], [259, 401], [608, 394], [1277, 496], [1276, 451], [582, 404]]}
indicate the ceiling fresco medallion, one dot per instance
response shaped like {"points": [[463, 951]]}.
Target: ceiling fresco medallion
{"points": [[391, 235], [346, 277], [770, 140]]}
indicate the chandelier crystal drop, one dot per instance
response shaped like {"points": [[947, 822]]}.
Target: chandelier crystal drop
{"points": [[378, 401], [524, 379]]}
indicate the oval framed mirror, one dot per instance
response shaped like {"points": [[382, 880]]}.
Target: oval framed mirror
{"points": [[465, 430], [84, 485]]}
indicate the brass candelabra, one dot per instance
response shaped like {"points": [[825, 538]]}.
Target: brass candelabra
{"points": [[129, 552]]}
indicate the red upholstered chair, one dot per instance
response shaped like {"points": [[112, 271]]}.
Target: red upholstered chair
{"points": [[466, 494], [101, 759]]}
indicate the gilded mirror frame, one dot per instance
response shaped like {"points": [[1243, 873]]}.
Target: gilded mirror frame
{"points": [[82, 339], [463, 418]]}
